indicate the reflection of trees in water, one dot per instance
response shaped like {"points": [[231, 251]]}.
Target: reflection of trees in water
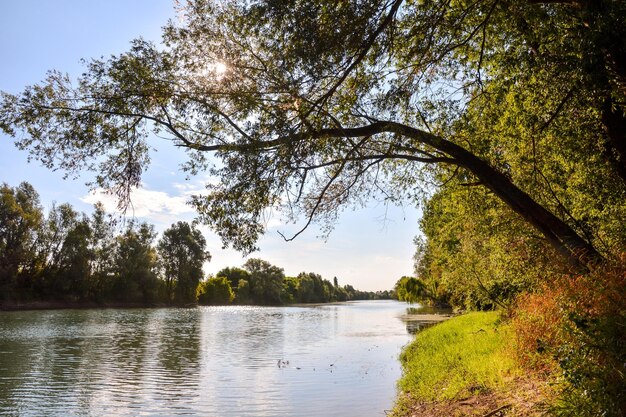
{"points": [[16, 360], [61, 351], [179, 352], [263, 335], [418, 309], [414, 326], [60, 354], [128, 344]]}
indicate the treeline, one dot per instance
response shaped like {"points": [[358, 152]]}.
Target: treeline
{"points": [[477, 254], [262, 283], [72, 258]]}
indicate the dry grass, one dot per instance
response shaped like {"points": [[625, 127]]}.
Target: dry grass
{"points": [[522, 397]]}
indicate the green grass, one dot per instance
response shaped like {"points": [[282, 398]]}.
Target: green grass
{"points": [[457, 358]]}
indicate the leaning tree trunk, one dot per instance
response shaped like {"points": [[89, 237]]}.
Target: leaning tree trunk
{"points": [[561, 236]]}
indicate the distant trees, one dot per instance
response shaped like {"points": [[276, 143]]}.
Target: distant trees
{"points": [[20, 218], [103, 244], [410, 289], [239, 280], [135, 261], [215, 291], [261, 283], [266, 281], [67, 256], [182, 252]]}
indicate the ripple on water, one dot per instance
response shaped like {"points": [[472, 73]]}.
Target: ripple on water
{"points": [[331, 360]]}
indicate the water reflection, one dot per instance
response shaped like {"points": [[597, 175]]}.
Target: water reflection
{"points": [[219, 361], [418, 318]]}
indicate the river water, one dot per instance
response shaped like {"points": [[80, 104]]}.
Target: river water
{"points": [[328, 360]]}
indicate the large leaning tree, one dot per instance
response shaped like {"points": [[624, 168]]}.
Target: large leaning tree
{"points": [[311, 105]]}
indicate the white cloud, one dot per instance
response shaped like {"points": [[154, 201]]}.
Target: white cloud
{"points": [[145, 203], [358, 252]]}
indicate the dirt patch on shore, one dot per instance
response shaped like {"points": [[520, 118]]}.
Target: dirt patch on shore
{"points": [[523, 397]]}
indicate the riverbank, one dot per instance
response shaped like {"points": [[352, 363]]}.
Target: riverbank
{"points": [[466, 366]]}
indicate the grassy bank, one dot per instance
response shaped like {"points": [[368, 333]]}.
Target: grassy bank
{"points": [[465, 366]]}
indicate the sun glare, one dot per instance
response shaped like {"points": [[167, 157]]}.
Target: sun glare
{"points": [[216, 70], [220, 68]]}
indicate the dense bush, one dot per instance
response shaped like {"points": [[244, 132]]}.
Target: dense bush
{"points": [[576, 325], [215, 291]]}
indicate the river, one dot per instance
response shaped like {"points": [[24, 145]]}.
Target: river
{"points": [[326, 360]]}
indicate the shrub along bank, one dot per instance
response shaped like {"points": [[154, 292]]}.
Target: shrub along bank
{"points": [[558, 351]]}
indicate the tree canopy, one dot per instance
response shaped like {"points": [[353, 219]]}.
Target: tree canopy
{"points": [[312, 105], [182, 252]]}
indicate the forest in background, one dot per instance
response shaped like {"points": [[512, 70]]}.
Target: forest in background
{"points": [[68, 258]]}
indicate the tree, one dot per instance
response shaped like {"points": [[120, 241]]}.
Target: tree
{"points": [[20, 221], [234, 276], [242, 293], [290, 290], [215, 291], [73, 272], [266, 281], [312, 288], [135, 264], [182, 253], [349, 103], [476, 254], [102, 245], [65, 254]]}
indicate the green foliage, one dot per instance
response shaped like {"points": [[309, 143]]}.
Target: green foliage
{"points": [[243, 292], [457, 358], [523, 98], [20, 219], [135, 278], [102, 244], [215, 291], [290, 290], [69, 257], [182, 252], [517, 110], [476, 253], [411, 290], [235, 276], [311, 288], [266, 281]]}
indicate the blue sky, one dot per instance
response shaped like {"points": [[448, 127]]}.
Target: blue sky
{"points": [[370, 248]]}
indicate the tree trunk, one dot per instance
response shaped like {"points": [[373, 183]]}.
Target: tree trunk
{"points": [[615, 127], [561, 236], [609, 54]]}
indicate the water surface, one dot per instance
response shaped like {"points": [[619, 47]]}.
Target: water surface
{"points": [[328, 360]]}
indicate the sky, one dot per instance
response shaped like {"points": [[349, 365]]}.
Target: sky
{"points": [[370, 248]]}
